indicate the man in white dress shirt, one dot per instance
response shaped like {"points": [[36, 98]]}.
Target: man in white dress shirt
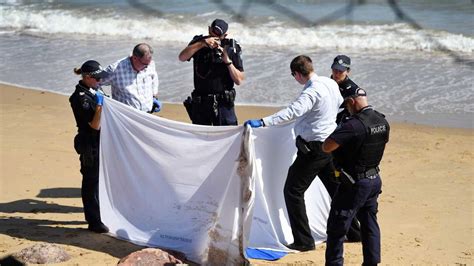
{"points": [[315, 112]]}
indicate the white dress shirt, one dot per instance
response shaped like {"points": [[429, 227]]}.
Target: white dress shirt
{"points": [[315, 109], [131, 87]]}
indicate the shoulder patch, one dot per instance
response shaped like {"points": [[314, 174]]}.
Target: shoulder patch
{"points": [[85, 105]]}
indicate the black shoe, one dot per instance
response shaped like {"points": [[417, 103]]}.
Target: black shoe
{"points": [[98, 228], [300, 247]]}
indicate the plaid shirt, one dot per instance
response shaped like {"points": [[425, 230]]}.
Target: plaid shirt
{"points": [[131, 87]]}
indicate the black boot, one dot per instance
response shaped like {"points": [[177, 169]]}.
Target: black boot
{"points": [[98, 228]]}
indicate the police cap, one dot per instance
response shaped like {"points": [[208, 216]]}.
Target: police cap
{"points": [[341, 62], [353, 92], [219, 27], [92, 68]]}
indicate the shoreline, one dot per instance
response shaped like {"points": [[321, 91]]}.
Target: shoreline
{"points": [[395, 119], [426, 171]]}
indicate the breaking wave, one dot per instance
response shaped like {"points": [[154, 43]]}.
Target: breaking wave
{"points": [[398, 36]]}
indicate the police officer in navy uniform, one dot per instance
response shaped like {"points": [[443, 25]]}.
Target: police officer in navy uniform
{"points": [[217, 67], [357, 146], [86, 103], [341, 68]]}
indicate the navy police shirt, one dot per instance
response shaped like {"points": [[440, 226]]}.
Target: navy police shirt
{"points": [[350, 136], [83, 106], [211, 75]]}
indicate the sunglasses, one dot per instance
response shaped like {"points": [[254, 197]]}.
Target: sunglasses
{"points": [[96, 79]]}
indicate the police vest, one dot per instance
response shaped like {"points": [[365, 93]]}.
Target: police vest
{"points": [[377, 133]]}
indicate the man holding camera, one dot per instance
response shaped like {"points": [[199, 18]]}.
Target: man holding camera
{"points": [[217, 67]]}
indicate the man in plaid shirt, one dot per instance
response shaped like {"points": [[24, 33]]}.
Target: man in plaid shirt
{"points": [[134, 80]]}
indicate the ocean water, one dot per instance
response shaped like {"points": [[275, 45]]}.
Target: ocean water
{"points": [[415, 58]]}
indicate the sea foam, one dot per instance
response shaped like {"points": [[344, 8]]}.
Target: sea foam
{"points": [[398, 36]]}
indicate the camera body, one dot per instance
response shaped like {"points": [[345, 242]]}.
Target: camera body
{"points": [[229, 42], [217, 54]]}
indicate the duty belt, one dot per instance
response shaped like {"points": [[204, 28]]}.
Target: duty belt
{"points": [[226, 96], [369, 174], [205, 98]]}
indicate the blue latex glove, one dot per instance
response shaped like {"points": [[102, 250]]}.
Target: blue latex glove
{"points": [[254, 123], [99, 98], [156, 106]]}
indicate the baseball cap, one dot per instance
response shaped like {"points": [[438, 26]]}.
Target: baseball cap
{"points": [[219, 27], [341, 62], [353, 92], [92, 68]]}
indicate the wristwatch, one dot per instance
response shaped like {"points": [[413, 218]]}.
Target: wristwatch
{"points": [[228, 64]]}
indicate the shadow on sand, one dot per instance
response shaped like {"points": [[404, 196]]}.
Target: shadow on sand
{"points": [[36, 206], [60, 192], [14, 224]]}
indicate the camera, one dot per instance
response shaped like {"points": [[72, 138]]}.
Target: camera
{"points": [[217, 57], [229, 42]]}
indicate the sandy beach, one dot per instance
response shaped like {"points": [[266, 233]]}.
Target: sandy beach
{"points": [[425, 210]]}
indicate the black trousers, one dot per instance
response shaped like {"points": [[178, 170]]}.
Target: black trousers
{"points": [[300, 176], [350, 201], [90, 184]]}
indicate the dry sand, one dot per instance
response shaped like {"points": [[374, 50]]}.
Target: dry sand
{"points": [[425, 210]]}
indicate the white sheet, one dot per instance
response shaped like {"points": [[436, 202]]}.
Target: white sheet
{"points": [[208, 192]]}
